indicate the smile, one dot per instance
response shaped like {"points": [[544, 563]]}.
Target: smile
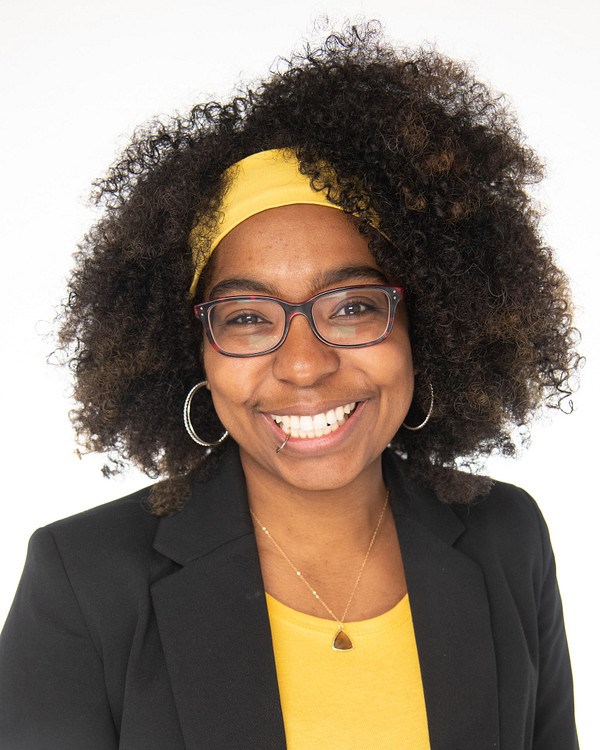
{"points": [[317, 425]]}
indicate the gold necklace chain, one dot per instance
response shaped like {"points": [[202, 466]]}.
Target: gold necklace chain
{"points": [[341, 641]]}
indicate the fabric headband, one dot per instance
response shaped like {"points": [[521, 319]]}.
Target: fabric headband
{"points": [[268, 179]]}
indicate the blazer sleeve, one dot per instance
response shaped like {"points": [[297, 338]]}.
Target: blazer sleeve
{"points": [[555, 716], [52, 692]]}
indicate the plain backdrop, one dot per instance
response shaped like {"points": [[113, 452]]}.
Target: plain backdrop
{"points": [[77, 76]]}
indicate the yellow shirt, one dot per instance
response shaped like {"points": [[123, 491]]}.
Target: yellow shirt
{"points": [[369, 697]]}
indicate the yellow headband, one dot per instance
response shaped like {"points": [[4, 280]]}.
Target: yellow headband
{"points": [[261, 181]]}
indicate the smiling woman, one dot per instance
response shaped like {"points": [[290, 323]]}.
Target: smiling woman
{"points": [[302, 312], [292, 251]]}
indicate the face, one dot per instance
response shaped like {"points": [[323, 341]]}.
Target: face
{"points": [[295, 252]]}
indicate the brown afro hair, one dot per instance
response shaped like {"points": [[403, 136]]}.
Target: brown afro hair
{"points": [[446, 170]]}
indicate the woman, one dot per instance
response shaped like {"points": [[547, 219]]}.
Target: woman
{"points": [[303, 311]]}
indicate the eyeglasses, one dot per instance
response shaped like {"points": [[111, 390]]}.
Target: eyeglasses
{"points": [[347, 317]]}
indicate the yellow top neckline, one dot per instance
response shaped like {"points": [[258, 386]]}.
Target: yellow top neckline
{"points": [[398, 614]]}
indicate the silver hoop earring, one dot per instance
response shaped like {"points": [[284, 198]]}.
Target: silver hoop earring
{"points": [[429, 412], [187, 419]]}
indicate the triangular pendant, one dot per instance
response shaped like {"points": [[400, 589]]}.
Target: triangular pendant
{"points": [[342, 642]]}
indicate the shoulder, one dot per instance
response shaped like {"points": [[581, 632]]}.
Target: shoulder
{"points": [[108, 530], [504, 512], [506, 533], [505, 508], [103, 554], [503, 531], [110, 535], [507, 515]]}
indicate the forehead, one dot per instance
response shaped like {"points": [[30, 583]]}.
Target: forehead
{"points": [[291, 246]]}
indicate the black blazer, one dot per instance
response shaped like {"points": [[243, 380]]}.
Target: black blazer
{"points": [[139, 633]]}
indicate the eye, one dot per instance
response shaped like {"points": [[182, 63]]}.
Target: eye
{"points": [[245, 319], [353, 307], [356, 308]]}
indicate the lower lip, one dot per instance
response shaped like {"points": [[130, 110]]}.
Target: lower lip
{"points": [[312, 445]]}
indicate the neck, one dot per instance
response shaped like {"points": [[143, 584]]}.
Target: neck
{"points": [[315, 519]]}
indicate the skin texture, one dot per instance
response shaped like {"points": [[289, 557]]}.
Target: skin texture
{"points": [[322, 494]]}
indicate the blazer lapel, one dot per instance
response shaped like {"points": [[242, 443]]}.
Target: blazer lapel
{"points": [[213, 620], [450, 609]]}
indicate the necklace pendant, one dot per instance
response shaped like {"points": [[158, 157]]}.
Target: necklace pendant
{"points": [[342, 641]]}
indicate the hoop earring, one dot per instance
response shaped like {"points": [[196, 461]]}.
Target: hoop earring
{"points": [[429, 412], [187, 419]]}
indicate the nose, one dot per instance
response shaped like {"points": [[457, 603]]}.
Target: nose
{"points": [[302, 359]]}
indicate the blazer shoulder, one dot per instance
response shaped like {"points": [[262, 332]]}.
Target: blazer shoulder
{"points": [[108, 525], [506, 512], [505, 509], [106, 552], [505, 530]]}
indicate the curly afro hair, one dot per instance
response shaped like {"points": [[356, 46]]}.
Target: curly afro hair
{"points": [[446, 170]]}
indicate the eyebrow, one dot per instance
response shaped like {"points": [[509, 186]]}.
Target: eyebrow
{"points": [[322, 280]]}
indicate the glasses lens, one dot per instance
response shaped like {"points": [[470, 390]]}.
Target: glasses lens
{"points": [[246, 326], [352, 317]]}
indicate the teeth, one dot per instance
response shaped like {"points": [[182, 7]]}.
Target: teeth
{"points": [[305, 426], [320, 421]]}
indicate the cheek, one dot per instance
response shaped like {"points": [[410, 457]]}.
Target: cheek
{"points": [[220, 371], [232, 382], [397, 372]]}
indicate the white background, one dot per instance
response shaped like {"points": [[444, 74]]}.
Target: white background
{"points": [[78, 75]]}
